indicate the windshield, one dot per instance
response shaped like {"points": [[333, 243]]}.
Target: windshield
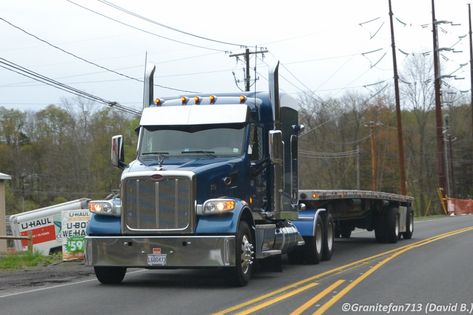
{"points": [[211, 140]]}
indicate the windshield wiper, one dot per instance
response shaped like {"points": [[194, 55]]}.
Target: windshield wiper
{"points": [[209, 153], [161, 156], [154, 153]]}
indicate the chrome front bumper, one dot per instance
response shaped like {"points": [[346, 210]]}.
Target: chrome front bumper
{"points": [[160, 251]]}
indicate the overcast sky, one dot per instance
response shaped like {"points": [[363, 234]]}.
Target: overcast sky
{"points": [[320, 44]]}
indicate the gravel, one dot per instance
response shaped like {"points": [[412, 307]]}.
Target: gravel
{"points": [[35, 277]]}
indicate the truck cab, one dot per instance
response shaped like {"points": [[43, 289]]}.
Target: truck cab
{"points": [[214, 184]]}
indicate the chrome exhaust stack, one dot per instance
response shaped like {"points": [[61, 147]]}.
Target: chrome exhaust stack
{"points": [[273, 79], [148, 90]]}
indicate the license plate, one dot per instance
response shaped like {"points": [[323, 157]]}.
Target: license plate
{"points": [[157, 259]]}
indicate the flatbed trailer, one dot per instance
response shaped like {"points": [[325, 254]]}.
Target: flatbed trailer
{"points": [[389, 215]]}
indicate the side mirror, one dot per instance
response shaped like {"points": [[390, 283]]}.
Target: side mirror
{"points": [[117, 153]]}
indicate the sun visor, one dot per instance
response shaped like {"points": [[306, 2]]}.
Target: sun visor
{"points": [[193, 115]]}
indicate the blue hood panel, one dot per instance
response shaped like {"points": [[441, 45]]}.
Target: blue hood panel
{"points": [[209, 172]]}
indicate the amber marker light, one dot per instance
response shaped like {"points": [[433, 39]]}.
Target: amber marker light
{"points": [[212, 99], [184, 100], [157, 102], [196, 100], [242, 99]]}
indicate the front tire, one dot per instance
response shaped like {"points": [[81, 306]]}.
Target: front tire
{"points": [[329, 238], [244, 255], [110, 275], [313, 245]]}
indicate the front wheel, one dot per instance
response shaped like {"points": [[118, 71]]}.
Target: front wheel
{"points": [[329, 238], [313, 245], [110, 275], [241, 273]]}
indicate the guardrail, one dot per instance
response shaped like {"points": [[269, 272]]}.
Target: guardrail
{"points": [[29, 238]]}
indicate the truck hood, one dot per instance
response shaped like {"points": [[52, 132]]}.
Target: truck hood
{"points": [[196, 165], [210, 174]]}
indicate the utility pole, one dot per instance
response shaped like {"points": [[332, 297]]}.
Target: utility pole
{"points": [[400, 141], [452, 172], [357, 166], [438, 109], [374, 155], [449, 157], [471, 70], [246, 56], [446, 133]]}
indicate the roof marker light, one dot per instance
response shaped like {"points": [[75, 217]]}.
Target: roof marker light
{"points": [[196, 100], [212, 99], [184, 100], [157, 101], [242, 99]]}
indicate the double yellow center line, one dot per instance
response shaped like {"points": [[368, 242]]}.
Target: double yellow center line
{"points": [[274, 297]]}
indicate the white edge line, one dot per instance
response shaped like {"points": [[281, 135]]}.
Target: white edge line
{"points": [[59, 286]]}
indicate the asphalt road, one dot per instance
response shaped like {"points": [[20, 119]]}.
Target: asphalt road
{"points": [[430, 274]]}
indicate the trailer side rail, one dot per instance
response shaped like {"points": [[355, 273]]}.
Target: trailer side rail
{"points": [[309, 194]]}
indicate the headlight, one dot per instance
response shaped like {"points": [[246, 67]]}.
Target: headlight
{"points": [[217, 206], [106, 207]]}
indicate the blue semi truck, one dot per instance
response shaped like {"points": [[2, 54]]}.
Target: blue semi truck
{"points": [[215, 185]]}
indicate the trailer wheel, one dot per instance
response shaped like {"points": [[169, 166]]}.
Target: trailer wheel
{"points": [[380, 229], [329, 238], [110, 275], [392, 225], [241, 273], [313, 245], [409, 225]]}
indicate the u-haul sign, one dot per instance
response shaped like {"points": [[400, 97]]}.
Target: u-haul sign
{"points": [[45, 225]]}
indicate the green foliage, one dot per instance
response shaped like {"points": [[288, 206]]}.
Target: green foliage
{"points": [[26, 259], [60, 153], [58, 199], [30, 205]]}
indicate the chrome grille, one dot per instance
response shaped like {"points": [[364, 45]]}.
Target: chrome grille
{"points": [[153, 206]]}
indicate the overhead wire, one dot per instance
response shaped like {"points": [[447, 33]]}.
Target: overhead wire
{"points": [[86, 60], [16, 68], [145, 31], [117, 7], [15, 84]]}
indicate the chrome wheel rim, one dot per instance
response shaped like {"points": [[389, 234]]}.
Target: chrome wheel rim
{"points": [[246, 254], [396, 229], [411, 223], [330, 236], [318, 240]]}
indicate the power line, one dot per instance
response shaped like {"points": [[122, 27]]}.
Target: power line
{"points": [[13, 67], [86, 60], [28, 84], [167, 26], [145, 31], [15, 84]]}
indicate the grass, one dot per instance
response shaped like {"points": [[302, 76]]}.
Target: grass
{"points": [[26, 259]]}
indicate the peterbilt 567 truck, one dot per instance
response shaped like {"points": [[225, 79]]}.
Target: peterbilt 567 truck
{"points": [[215, 185]]}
